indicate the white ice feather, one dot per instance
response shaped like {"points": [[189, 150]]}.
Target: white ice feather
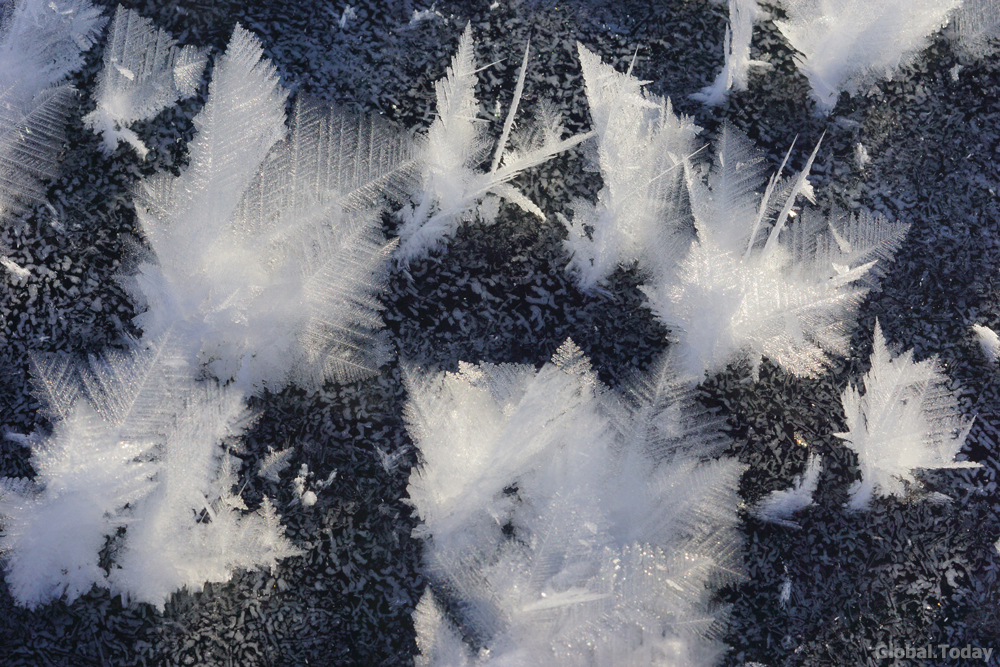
{"points": [[44, 40], [845, 45], [639, 215], [614, 538], [268, 254], [41, 42], [977, 26], [989, 342], [781, 504], [751, 287], [906, 419], [275, 463], [736, 70], [144, 72], [136, 445], [455, 146]]}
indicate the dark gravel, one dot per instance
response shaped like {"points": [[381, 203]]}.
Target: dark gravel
{"points": [[908, 571]]}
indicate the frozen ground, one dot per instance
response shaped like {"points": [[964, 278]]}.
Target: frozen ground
{"points": [[910, 573]]}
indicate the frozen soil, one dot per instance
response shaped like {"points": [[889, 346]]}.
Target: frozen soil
{"points": [[908, 571]]}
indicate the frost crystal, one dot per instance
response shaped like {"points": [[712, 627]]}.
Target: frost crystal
{"points": [[989, 342], [268, 252], [136, 445], [44, 40], [977, 26], [455, 147], [275, 463], [781, 504], [640, 215], [735, 73], [143, 74], [564, 524], [41, 42], [845, 45], [906, 419], [756, 284]]}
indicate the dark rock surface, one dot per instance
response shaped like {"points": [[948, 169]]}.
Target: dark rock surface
{"points": [[913, 573]]}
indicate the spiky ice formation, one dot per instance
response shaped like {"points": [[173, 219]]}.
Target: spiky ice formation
{"points": [[640, 216], [905, 420], [267, 251], [454, 185], [41, 42], [136, 447], [755, 284], [144, 72], [564, 524], [845, 45]]}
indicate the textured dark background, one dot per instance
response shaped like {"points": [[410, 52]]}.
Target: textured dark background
{"points": [[909, 572]]}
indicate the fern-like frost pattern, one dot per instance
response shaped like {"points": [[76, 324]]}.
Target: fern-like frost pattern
{"points": [[41, 42], [756, 285], [136, 445], [906, 419], [845, 45], [735, 72], [144, 72], [453, 187], [640, 216], [268, 250], [567, 525]]}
